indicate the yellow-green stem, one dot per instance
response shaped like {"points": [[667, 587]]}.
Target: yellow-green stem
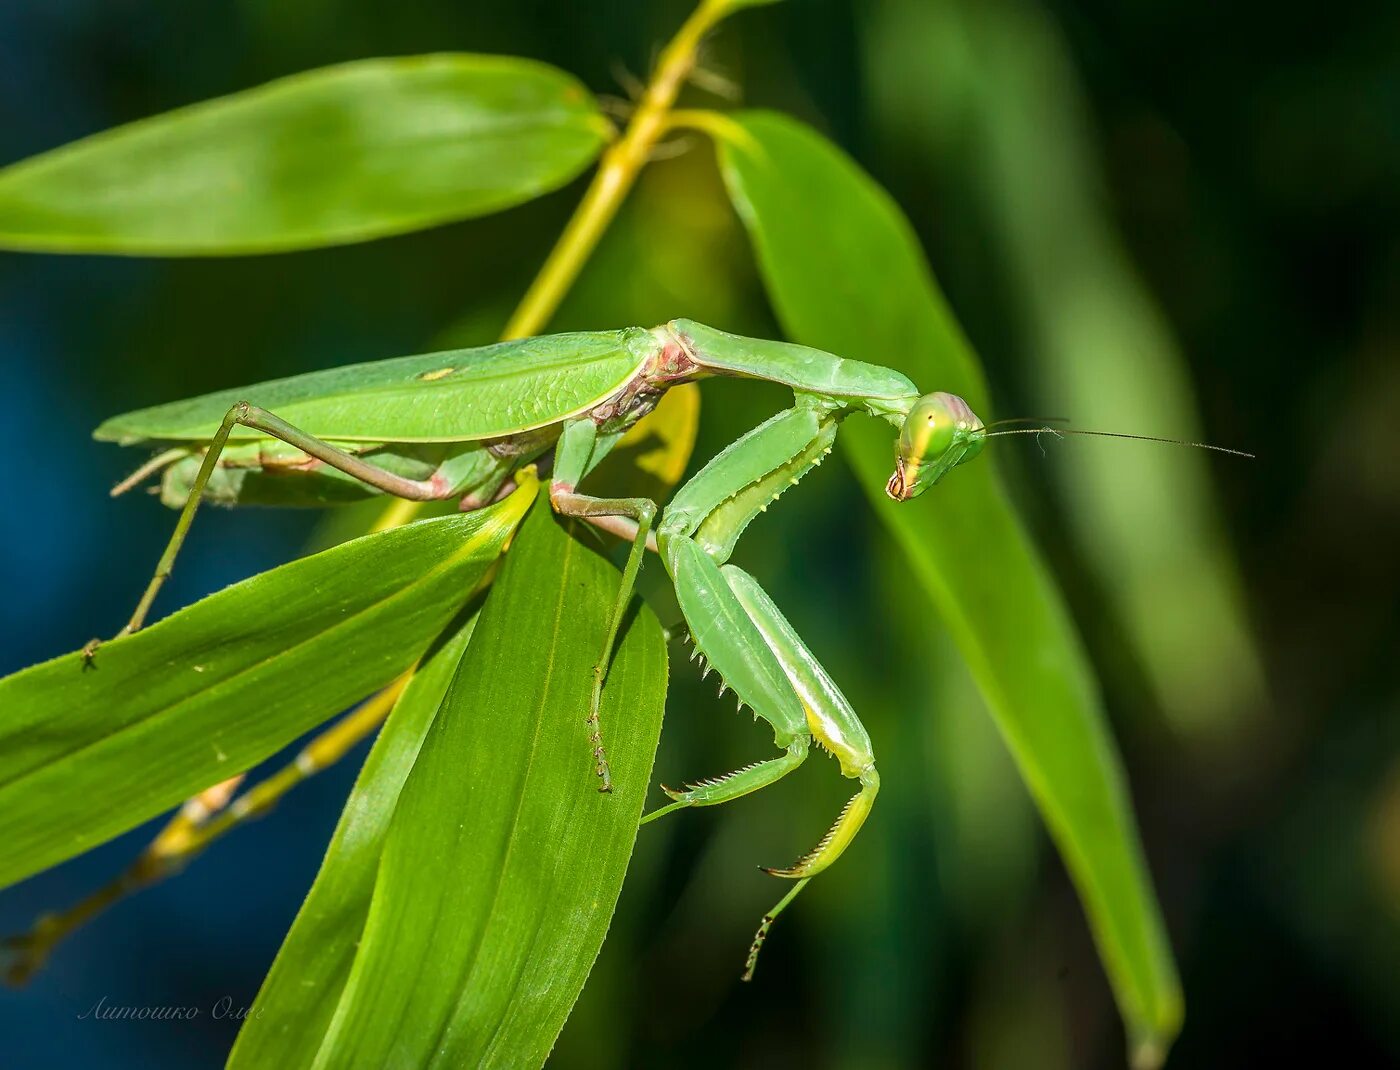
{"points": [[193, 829], [616, 175], [614, 179]]}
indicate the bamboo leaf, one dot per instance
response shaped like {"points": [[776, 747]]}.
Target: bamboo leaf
{"points": [[335, 155], [1145, 517], [858, 285], [503, 862], [223, 684], [288, 1020]]}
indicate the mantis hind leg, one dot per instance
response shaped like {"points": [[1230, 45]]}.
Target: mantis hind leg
{"points": [[248, 415]]}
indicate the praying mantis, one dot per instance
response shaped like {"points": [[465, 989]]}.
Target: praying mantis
{"points": [[459, 425]]}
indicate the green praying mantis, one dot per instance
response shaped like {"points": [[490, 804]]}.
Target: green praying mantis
{"points": [[460, 425]]}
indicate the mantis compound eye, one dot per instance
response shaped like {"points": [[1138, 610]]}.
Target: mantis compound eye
{"points": [[939, 433], [929, 428]]}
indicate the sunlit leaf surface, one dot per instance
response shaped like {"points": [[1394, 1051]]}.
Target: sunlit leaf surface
{"points": [[1100, 348], [86, 754], [503, 862], [289, 1019], [335, 155], [845, 273]]}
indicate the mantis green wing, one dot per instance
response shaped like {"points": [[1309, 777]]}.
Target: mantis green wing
{"points": [[453, 396]]}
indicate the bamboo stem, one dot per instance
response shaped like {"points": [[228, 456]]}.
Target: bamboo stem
{"points": [[616, 175]]}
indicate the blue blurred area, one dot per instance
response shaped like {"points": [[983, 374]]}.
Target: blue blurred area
{"points": [[202, 941], [77, 337]]}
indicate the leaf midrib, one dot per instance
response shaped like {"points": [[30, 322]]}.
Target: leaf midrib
{"points": [[519, 803], [215, 688]]}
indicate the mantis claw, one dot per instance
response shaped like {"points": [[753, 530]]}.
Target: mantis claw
{"points": [[595, 738], [842, 831], [756, 947], [603, 770], [763, 927]]}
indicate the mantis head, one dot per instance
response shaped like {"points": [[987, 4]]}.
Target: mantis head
{"points": [[940, 432]]}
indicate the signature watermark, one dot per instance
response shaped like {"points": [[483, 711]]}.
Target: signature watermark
{"points": [[223, 1008]]}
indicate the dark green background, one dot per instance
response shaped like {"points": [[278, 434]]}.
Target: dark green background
{"points": [[1249, 157]]}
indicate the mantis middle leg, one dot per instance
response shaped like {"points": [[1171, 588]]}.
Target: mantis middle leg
{"points": [[579, 451]]}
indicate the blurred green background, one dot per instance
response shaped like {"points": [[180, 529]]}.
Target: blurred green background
{"points": [[1128, 205]]}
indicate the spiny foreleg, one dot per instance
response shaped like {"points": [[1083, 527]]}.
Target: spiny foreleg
{"points": [[747, 640], [832, 723]]}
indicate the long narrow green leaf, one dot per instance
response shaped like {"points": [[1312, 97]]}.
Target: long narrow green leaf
{"points": [[845, 273], [1102, 350], [335, 155], [289, 1018], [503, 862], [223, 684]]}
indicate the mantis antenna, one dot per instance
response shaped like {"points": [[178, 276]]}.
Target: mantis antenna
{"points": [[1027, 420], [1117, 434]]}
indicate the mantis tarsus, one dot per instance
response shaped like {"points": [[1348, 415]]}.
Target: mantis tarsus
{"points": [[458, 425]]}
